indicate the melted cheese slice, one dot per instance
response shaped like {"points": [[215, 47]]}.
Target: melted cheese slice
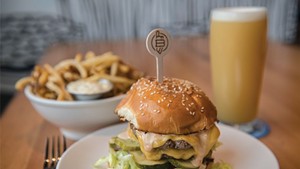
{"points": [[201, 143]]}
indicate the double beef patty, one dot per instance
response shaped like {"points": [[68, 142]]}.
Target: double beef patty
{"points": [[170, 144]]}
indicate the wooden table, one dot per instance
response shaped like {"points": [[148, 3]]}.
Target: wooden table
{"points": [[23, 130]]}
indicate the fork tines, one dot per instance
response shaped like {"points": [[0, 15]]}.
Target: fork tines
{"points": [[53, 151]]}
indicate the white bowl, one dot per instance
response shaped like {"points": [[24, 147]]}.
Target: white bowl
{"points": [[76, 118]]}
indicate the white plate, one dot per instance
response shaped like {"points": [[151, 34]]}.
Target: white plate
{"points": [[240, 150]]}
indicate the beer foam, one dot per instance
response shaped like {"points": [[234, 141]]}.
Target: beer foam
{"points": [[241, 14]]}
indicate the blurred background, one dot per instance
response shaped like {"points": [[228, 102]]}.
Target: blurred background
{"points": [[29, 27]]}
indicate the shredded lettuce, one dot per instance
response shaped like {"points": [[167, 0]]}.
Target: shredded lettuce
{"points": [[124, 160], [100, 164], [117, 160], [221, 165]]}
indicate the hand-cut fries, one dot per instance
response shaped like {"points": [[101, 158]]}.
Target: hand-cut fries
{"points": [[23, 82], [70, 62], [50, 82]]}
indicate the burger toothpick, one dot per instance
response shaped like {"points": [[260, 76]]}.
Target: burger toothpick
{"points": [[158, 44]]}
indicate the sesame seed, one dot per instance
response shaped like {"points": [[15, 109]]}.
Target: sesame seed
{"points": [[192, 113], [156, 111]]}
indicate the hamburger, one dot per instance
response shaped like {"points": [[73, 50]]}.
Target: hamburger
{"points": [[170, 125]]}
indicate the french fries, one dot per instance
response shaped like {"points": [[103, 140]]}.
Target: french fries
{"points": [[50, 82]]}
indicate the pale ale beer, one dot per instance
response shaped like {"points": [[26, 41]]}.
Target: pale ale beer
{"points": [[237, 49]]}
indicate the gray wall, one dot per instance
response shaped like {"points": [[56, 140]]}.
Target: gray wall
{"points": [[125, 19], [119, 19]]}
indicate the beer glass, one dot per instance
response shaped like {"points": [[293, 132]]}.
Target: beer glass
{"points": [[237, 49]]}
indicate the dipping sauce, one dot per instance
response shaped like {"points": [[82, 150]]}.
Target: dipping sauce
{"points": [[87, 87]]}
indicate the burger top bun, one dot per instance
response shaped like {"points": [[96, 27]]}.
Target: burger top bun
{"points": [[174, 106]]}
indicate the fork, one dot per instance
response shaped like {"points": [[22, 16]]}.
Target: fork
{"points": [[53, 152]]}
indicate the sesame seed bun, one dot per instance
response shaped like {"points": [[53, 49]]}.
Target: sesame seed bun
{"points": [[174, 106]]}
